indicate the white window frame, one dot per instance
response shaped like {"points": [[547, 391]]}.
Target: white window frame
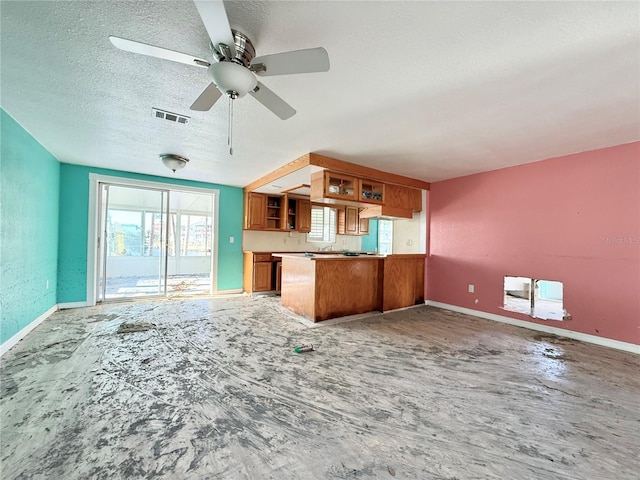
{"points": [[382, 223], [329, 225]]}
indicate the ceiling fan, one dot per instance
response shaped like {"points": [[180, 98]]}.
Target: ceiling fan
{"points": [[235, 66]]}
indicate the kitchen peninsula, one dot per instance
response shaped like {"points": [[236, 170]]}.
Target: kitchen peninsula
{"points": [[320, 287]]}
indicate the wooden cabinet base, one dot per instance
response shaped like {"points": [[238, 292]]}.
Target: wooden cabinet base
{"points": [[320, 289]]}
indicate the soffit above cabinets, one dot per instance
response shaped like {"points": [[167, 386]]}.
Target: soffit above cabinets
{"points": [[296, 174], [287, 182]]}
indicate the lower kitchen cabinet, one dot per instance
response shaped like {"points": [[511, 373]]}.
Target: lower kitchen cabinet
{"points": [[262, 276], [258, 272]]}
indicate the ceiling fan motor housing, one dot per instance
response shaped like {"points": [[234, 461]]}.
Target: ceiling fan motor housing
{"points": [[232, 76]]}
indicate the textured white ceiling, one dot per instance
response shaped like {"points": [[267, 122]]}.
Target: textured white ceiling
{"points": [[431, 90]]}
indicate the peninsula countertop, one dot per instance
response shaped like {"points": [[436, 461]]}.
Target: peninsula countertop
{"points": [[330, 256]]}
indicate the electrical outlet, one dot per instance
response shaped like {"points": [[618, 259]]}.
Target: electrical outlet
{"points": [[472, 288], [409, 242]]}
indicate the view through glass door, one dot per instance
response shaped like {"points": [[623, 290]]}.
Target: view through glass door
{"points": [[156, 242]]}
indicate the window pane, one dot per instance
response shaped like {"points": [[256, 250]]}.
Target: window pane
{"points": [[195, 232], [125, 233], [385, 236], [323, 225]]}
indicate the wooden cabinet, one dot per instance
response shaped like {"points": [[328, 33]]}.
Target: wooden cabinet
{"points": [[262, 276], [264, 212], [298, 215], [370, 191], [304, 216], [273, 212], [398, 196], [326, 185], [350, 223], [403, 281], [292, 214], [255, 211], [400, 202], [258, 272], [276, 206], [363, 226]]}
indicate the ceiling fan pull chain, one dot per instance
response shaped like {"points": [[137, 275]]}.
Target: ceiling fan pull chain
{"points": [[231, 128]]}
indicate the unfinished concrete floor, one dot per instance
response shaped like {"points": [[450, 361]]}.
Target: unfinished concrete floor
{"points": [[211, 389]]}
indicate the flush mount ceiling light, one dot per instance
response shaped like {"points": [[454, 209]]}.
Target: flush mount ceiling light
{"points": [[172, 161]]}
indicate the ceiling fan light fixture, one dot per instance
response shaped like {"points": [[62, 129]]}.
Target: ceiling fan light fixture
{"points": [[231, 78], [173, 162]]}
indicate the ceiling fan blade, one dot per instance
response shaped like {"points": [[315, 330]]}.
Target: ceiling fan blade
{"points": [[273, 102], [298, 61], [215, 20], [207, 98], [144, 49]]}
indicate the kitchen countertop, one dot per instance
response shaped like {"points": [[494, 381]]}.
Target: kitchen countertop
{"points": [[329, 256]]}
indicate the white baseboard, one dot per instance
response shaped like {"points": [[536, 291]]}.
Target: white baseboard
{"points": [[561, 332], [229, 292], [64, 306], [6, 346]]}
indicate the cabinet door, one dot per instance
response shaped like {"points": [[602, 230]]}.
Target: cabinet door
{"points": [[351, 221], [261, 276], [363, 226], [370, 191], [256, 211], [397, 196], [340, 186], [304, 216]]}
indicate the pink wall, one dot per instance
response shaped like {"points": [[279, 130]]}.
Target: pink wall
{"points": [[574, 219]]}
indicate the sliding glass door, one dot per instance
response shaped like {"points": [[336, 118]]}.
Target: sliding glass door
{"points": [[133, 241], [154, 241], [190, 253]]}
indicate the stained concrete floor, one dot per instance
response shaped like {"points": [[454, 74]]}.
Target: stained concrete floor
{"points": [[211, 389]]}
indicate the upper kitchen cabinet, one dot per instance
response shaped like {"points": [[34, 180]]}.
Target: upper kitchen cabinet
{"points": [[350, 223], [255, 211], [298, 215], [276, 212], [304, 216], [276, 206], [264, 212], [334, 187], [370, 191], [400, 202], [340, 188]]}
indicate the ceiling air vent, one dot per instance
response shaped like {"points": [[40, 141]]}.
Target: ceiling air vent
{"points": [[169, 116]]}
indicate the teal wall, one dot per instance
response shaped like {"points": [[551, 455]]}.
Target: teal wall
{"points": [[370, 242], [29, 186], [74, 218]]}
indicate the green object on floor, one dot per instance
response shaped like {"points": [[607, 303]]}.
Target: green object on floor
{"points": [[303, 348]]}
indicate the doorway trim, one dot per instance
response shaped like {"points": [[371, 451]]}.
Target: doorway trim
{"points": [[92, 235]]}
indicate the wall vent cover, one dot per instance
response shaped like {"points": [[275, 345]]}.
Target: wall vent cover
{"points": [[169, 116]]}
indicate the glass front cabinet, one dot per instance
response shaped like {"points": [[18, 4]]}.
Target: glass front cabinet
{"points": [[370, 191]]}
